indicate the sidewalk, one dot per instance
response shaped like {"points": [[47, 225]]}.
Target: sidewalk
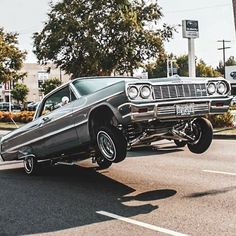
{"points": [[225, 133]]}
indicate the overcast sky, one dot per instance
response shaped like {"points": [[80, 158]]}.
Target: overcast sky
{"points": [[215, 23]]}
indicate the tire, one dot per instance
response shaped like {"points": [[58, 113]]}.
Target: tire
{"points": [[103, 163], [204, 133], [180, 143], [111, 144], [31, 165]]}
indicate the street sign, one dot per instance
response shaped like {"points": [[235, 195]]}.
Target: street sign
{"points": [[190, 29]]}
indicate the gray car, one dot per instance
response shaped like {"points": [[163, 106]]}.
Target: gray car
{"points": [[101, 117]]}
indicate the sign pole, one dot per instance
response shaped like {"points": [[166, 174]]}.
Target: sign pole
{"points": [[191, 32], [191, 58]]}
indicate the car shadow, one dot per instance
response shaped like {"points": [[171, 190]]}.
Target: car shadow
{"points": [[211, 192], [150, 195], [153, 150], [64, 197]]}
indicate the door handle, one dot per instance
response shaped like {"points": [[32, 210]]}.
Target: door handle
{"points": [[46, 119]]}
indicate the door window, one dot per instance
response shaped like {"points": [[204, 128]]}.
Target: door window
{"points": [[57, 99]]}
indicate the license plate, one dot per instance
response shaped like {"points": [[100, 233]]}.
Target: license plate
{"points": [[185, 109]]}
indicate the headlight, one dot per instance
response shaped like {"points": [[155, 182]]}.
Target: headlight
{"points": [[145, 92], [211, 88], [221, 88], [133, 92]]}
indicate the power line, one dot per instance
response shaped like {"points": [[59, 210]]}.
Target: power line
{"points": [[200, 8]]}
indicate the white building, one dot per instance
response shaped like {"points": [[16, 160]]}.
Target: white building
{"points": [[36, 75]]}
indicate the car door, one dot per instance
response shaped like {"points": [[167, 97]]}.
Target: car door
{"points": [[57, 127], [24, 138]]}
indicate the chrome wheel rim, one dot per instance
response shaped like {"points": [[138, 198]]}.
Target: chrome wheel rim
{"points": [[29, 164], [106, 146]]}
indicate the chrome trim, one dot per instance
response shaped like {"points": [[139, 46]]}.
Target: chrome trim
{"points": [[220, 107], [74, 90], [1, 159], [80, 123], [167, 110], [154, 103], [143, 114], [28, 155]]}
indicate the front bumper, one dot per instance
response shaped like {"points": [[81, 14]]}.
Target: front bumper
{"points": [[168, 109]]}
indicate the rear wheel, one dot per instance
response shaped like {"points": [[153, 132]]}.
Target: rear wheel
{"points": [[31, 165], [203, 133], [111, 143]]}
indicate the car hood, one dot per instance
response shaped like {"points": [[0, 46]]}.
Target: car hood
{"points": [[175, 80]]}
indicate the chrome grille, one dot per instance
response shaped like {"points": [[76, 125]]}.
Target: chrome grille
{"points": [[179, 91]]}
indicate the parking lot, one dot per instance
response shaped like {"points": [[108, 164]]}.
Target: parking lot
{"points": [[165, 191]]}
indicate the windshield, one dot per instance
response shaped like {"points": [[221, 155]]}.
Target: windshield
{"points": [[88, 86]]}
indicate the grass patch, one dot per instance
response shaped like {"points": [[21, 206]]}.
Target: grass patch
{"points": [[10, 125]]}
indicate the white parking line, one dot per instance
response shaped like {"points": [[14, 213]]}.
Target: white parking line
{"points": [[139, 223], [219, 172]]}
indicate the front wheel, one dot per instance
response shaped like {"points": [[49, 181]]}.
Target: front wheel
{"points": [[111, 144], [203, 133]]}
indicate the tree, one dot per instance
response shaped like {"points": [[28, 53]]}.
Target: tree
{"points": [[20, 92], [203, 70], [182, 62], [99, 37], [158, 69], [11, 58], [230, 62], [50, 84]]}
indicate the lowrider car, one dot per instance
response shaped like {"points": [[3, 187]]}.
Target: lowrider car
{"points": [[101, 117]]}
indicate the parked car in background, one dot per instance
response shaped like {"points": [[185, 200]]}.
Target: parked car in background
{"points": [[233, 102], [17, 107], [5, 106], [100, 118]]}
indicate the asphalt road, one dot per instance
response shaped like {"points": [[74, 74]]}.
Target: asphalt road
{"points": [[168, 191]]}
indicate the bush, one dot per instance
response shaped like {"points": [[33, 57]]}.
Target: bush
{"points": [[220, 121], [22, 117], [233, 107]]}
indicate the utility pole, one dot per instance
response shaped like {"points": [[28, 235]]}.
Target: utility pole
{"points": [[223, 49], [234, 9]]}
